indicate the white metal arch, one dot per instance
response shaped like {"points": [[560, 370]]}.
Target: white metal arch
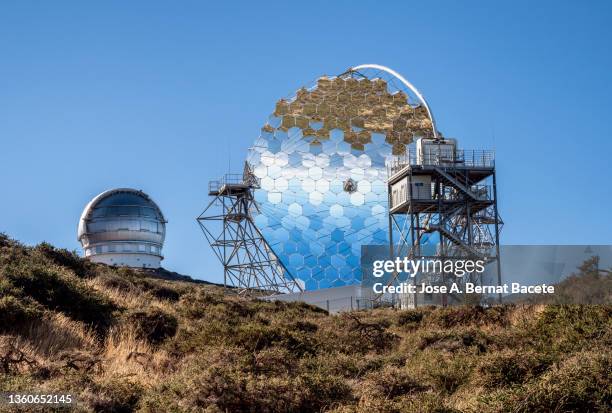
{"points": [[407, 84]]}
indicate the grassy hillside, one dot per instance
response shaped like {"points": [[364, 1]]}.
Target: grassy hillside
{"points": [[120, 341]]}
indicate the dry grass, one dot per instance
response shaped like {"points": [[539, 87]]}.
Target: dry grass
{"points": [[56, 332], [127, 356], [123, 298], [131, 299], [524, 314]]}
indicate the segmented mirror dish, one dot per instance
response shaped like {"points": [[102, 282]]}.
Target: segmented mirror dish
{"points": [[320, 166]]}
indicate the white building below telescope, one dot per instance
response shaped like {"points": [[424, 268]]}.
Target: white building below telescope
{"points": [[123, 227]]}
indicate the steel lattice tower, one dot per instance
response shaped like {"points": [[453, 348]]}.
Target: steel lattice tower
{"points": [[249, 264], [440, 190]]}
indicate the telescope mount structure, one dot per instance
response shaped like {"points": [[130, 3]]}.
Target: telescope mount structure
{"points": [[249, 264]]}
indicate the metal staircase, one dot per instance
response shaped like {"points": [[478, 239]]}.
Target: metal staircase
{"points": [[472, 253], [462, 209], [449, 180]]}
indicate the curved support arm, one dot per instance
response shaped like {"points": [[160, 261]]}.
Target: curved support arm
{"points": [[408, 85]]}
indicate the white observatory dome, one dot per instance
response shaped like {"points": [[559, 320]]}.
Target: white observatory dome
{"points": [[123, 227]]}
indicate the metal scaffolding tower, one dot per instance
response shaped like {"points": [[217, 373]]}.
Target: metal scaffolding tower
{"points": [[249, 264], [449, 194]]}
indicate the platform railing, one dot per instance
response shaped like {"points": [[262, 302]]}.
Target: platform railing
{"points": [[427, 192], [215, 185], [475, 158]]}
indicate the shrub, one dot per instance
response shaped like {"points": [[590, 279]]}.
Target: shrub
{"points": [[6, 241], [562, 328], [153, 325], [256, 336], [390, 382], [510, 368], [69, 259], [467, 315], [368, 335], [58, 292], [410, 318], [582, 383], [274, 360], [165, 293], [15, 314], [321, 391], [303, 326], [115, 395], [579, 384], [226, 380], [454, 340], [111, 280]]}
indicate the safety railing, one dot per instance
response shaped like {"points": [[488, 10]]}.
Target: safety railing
{"points": [[428, 192], [226, 179], [482, 192], [442, 157]]}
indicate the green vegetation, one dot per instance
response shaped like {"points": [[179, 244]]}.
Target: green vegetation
{"points": [[590, 285], [121, 341]]}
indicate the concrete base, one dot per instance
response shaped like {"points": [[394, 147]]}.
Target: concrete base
{"points": [[334, 300], [128, 260]]}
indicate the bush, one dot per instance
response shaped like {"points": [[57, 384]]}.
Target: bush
{"points": [[321, 391], [367, 335], [165, 293], [6, 241], [274, 360], [256, 336], [563, 328], [69, 259], [579, 384], [390, 382], [113, 281], [410, 318], [58, 292], [226, 380], [511, 368], [470, 315], [154, 325], [15, 314], [582, 383], [440, 371], [454, 340], [115, 395]]}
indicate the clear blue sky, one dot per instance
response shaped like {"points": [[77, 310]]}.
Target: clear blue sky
{"points": [[155, 95]]}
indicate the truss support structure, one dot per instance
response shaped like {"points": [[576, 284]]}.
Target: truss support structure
{"points": [[450, 196], [249, 264]]}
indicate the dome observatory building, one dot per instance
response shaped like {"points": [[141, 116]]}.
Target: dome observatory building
{"points": [[123, 227]]}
